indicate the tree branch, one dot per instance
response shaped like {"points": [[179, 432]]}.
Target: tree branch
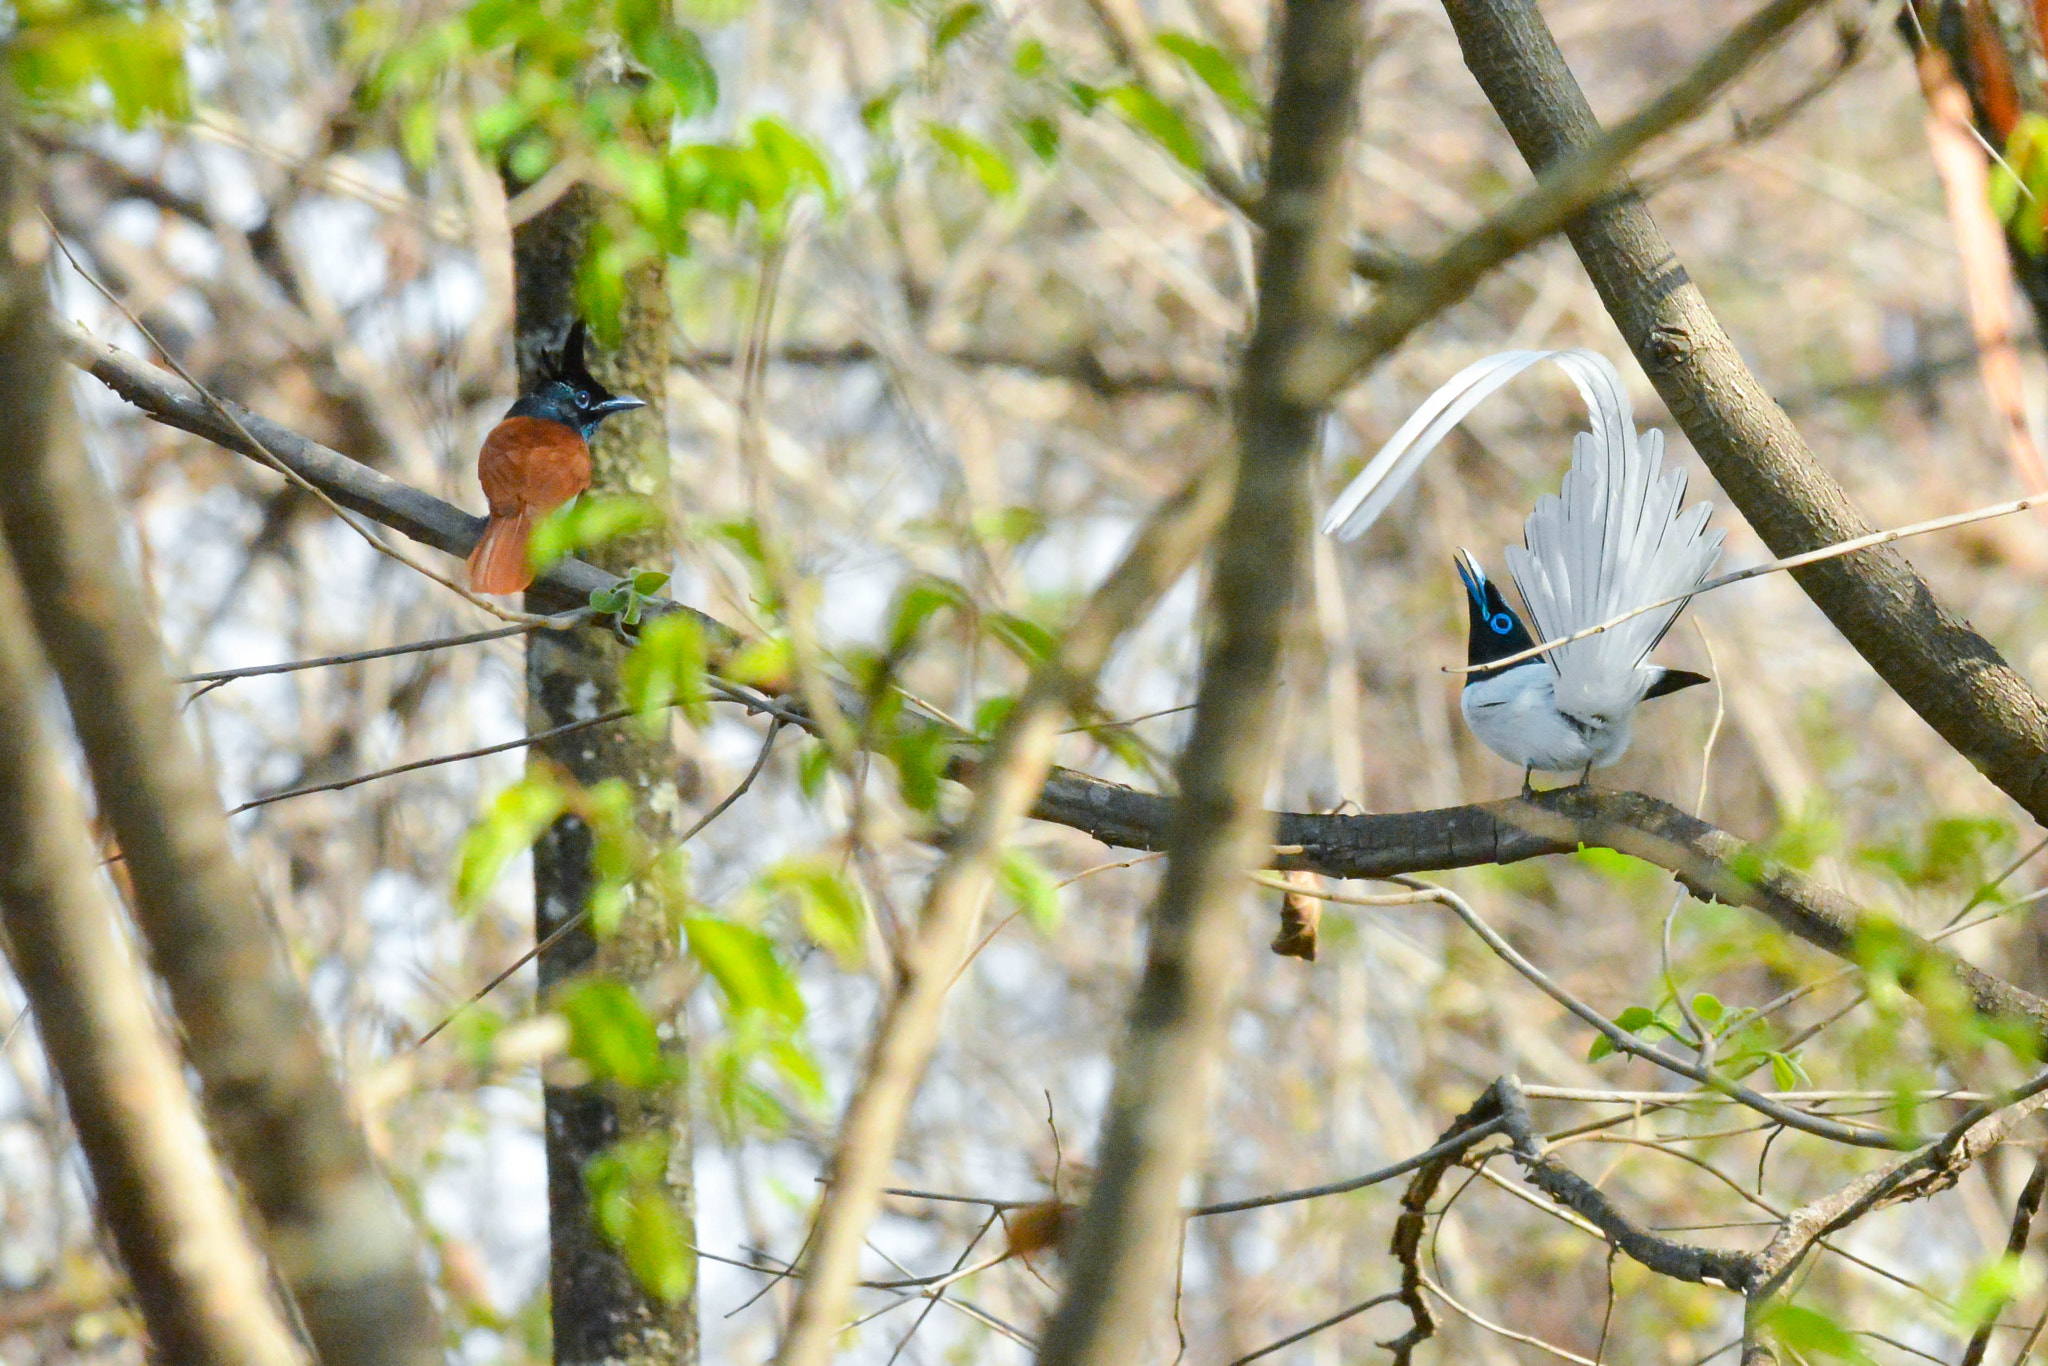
{"points": [[1154, 1126], [1713, 863], [336, 1232], [1567, 184], [203, 1288], [1944, 670]]}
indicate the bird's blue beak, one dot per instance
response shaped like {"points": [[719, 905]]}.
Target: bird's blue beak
{"points": [[1474, 577]]}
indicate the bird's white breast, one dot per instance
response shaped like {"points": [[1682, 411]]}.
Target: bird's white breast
{"points": [[1515, 714]]}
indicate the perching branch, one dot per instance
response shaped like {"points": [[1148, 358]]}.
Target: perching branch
{"points": [[1713, 863], [1958, 683]]}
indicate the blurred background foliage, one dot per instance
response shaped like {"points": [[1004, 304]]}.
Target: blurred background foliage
{"points": [[1009, 287]]}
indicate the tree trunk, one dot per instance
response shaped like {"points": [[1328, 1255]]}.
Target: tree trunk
{"points": [[601, 1311]]}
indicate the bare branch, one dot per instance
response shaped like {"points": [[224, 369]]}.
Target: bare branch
{"points": [[2023, 1212], [1414, 1218], [1565, 188]]}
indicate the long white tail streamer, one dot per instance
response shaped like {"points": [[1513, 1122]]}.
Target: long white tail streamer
{"points": [[1389, 471]]}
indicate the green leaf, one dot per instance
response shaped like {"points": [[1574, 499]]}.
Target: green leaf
{"points": [[874, 112], [982, 160], [916, 603], [813, 762], [676, 57], [991, 712], [1025, 881], [1022, 637], [589, 521], [954, 23], [1041, 135], [1709, 1008], [648, 582], [1159, 119], [743, 963], [83, 59], [1786, 1073], [630, 1203], [1635, 1019], [1012, 525], [1812, 1333], [476, 1029], [831, 911], [514, 821], [766, 663], [657, 1249], [921, 753], [612, 1035], [1991, 1286], [795, 162], [1031, 59], [1215, 69], [667, 669], [1602, 1046]]}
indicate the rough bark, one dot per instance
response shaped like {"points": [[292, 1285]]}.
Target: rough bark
{"points": [[602, 1313]]}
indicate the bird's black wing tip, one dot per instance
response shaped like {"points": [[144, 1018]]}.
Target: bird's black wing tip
{"points": [[1675, 680]]}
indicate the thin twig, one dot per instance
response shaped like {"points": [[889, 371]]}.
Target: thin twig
{"points": [[1447, 1148], [1314, 1328], [555, 935], [1490, 1326], [411, 647], [339, 784], [1856, 1135]]}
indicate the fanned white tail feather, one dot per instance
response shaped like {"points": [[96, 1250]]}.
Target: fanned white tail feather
{"points": [[1613, 538], [1616, 536]]}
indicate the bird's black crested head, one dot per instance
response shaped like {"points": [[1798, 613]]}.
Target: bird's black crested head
{"points": [[1496, 631], [566, 392]]}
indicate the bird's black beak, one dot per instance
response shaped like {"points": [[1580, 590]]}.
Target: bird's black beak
{"points": [[624, 403]]}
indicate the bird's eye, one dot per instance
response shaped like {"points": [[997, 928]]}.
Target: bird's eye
{"points": [[1501, 623]]}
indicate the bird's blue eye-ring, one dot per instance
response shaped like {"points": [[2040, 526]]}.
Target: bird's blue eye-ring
{"points": [[1501, 623]]}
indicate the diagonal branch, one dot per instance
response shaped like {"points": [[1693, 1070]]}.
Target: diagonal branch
{"points": [[1565, 188], [1933, 1168], [1944, 670], [336, 1232]]}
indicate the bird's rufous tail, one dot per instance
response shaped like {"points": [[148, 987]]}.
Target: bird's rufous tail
{"points": [[498, 564]]}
